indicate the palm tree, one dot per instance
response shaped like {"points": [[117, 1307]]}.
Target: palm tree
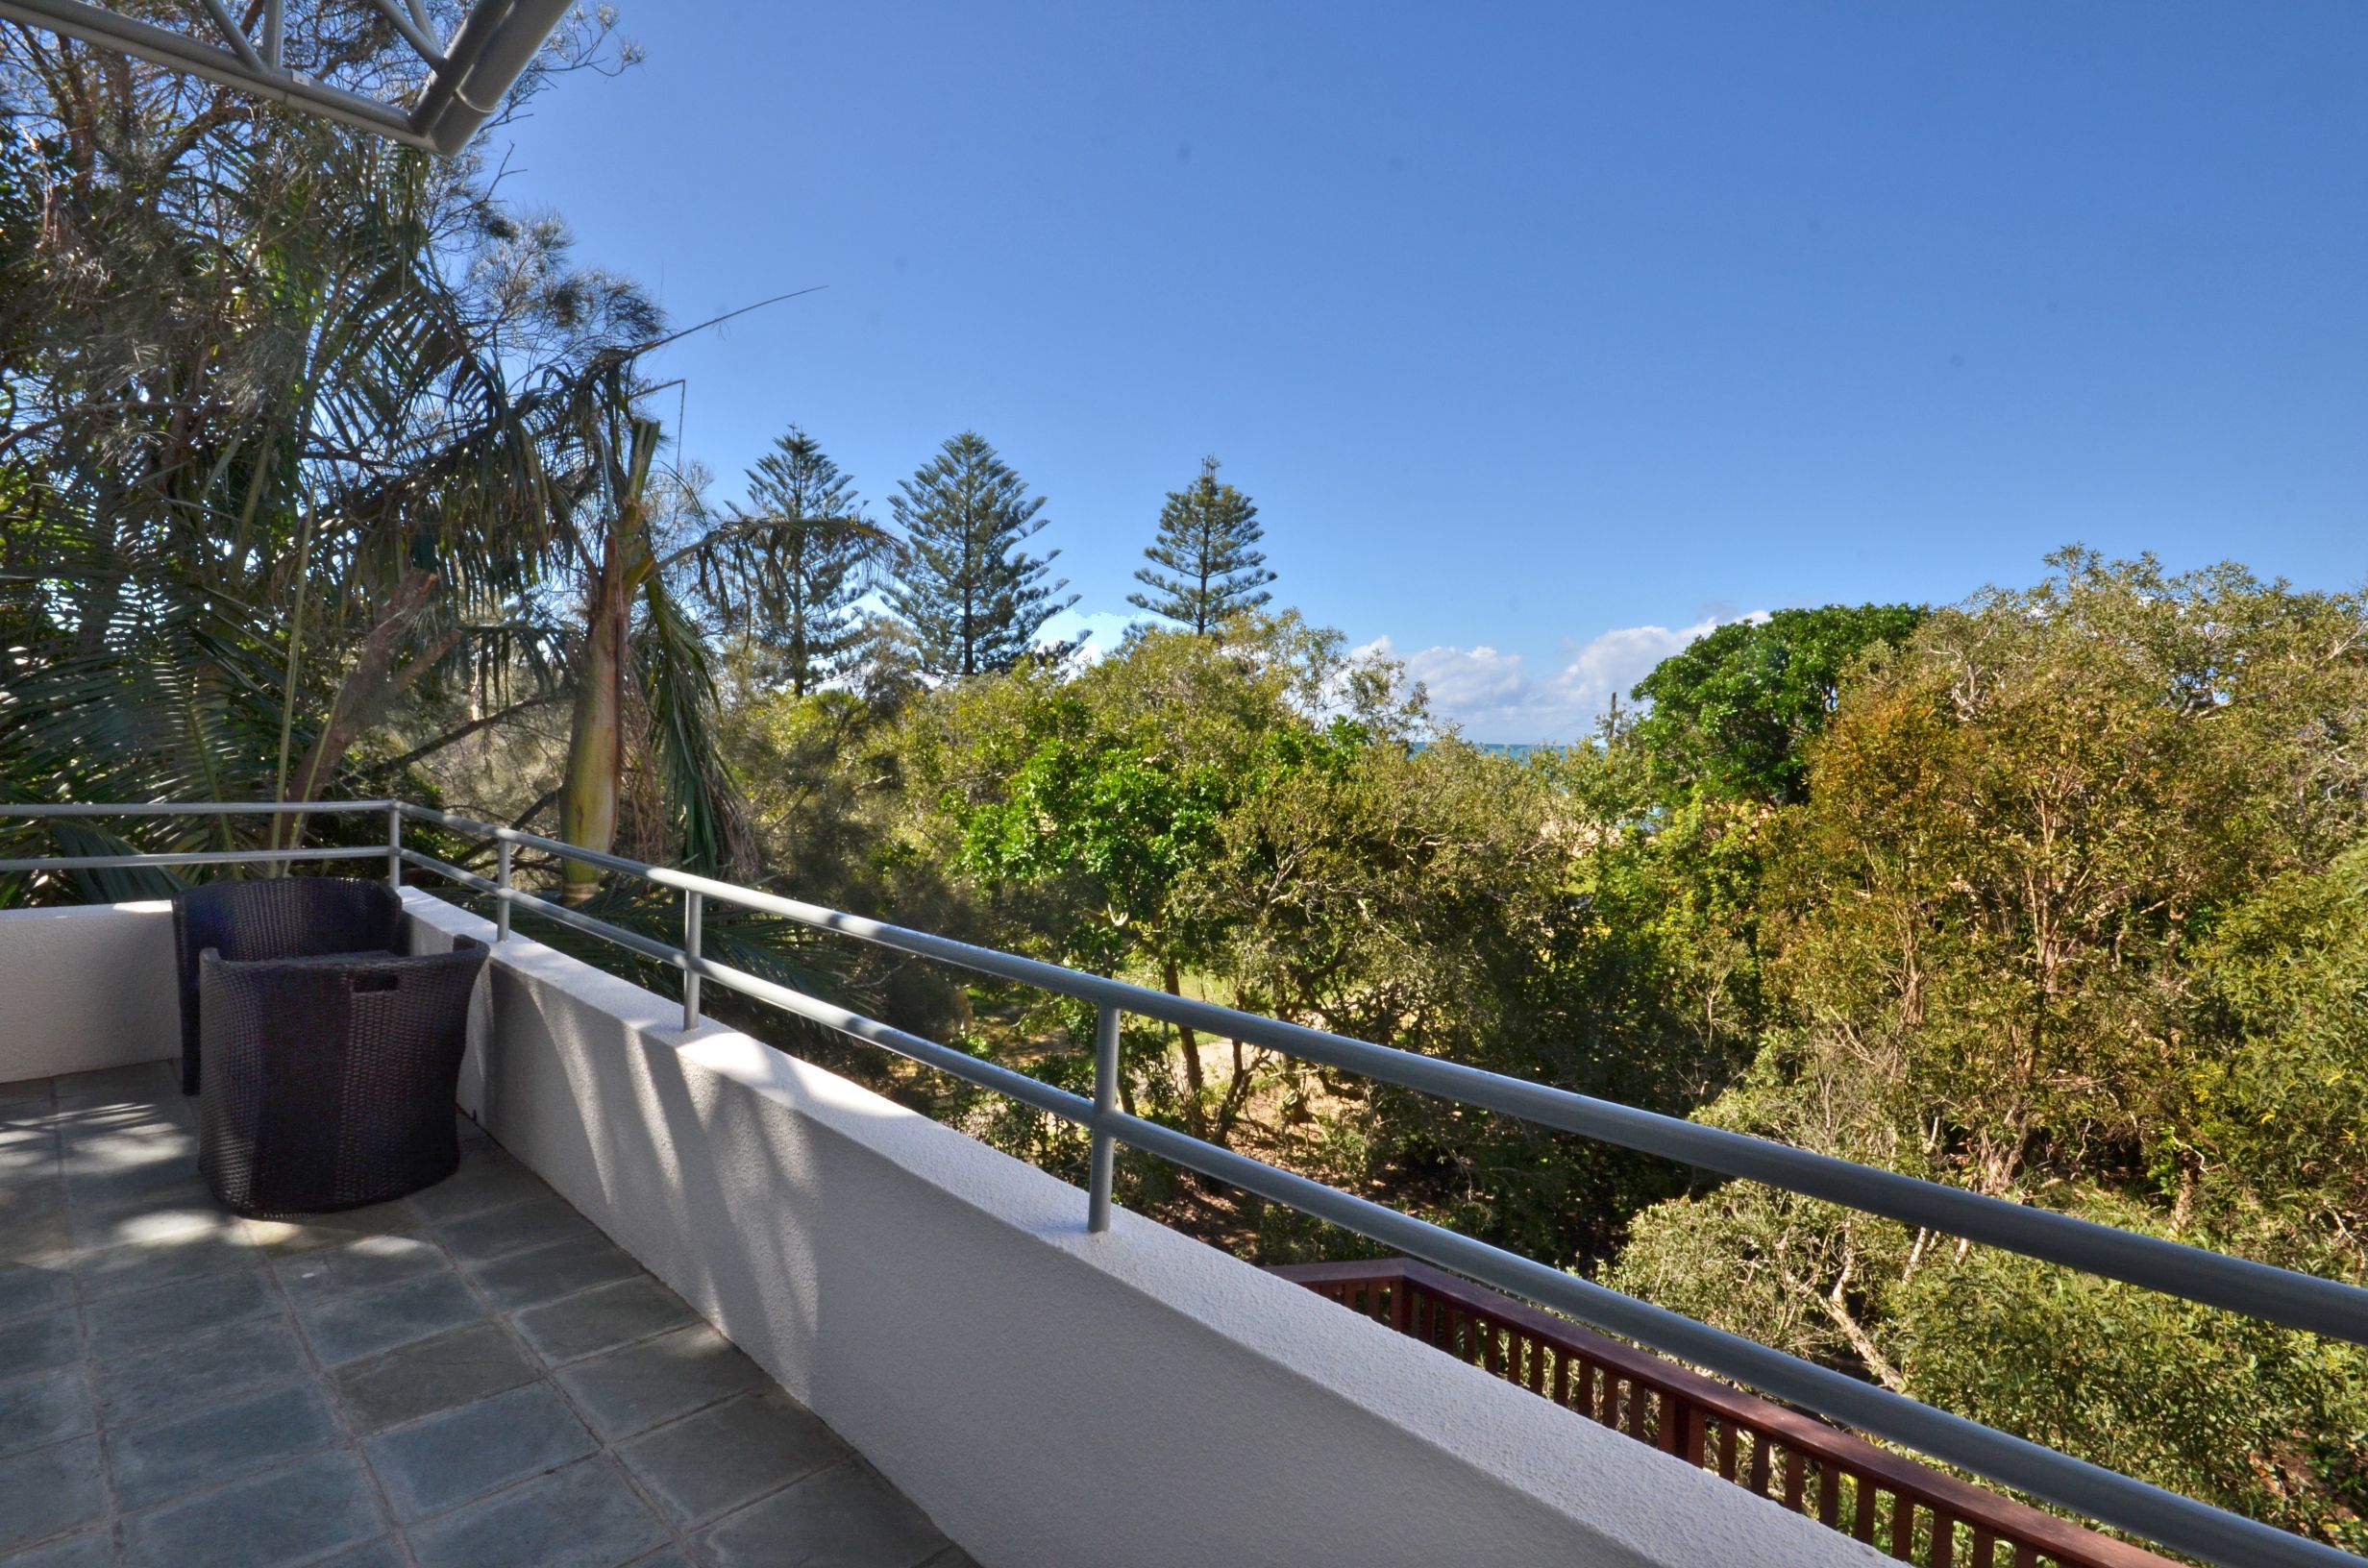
{"points": [[306, 432], [264, 474]]}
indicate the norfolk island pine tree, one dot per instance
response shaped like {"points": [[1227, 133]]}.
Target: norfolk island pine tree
{"points": [[970, 599], [1206, 566]]}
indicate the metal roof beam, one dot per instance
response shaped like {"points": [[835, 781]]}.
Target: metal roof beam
{"points": [[491, 48]]}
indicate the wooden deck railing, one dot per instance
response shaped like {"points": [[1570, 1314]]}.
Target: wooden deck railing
{"points": [[1916, 1513]]}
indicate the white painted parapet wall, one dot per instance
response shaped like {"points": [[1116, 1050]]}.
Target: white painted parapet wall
{"points": [[1054, 1399], [1131, 1399], [86, 986]]}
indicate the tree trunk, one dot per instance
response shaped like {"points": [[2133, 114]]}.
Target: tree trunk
{"points": [[1196, 1081], [596, 749], [367, 690], [1236, 1098]]}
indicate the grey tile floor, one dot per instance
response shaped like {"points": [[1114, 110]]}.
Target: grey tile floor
{"points": [[472, 1377]]}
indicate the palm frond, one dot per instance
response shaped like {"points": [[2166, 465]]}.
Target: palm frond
{"points": [[709, 814]]}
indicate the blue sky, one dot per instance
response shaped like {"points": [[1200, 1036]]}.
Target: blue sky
{"points": [[1541, 334]]}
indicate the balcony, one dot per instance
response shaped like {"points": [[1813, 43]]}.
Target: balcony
{"points": [[695, 1301], [691, 1301]]}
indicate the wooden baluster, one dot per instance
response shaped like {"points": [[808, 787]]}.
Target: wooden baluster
{"points": [[1687, 1427], [1651, 1410]]}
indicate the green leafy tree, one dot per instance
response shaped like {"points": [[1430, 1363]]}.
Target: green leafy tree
{"points": [[793, 569], [2277, 1121], [970, 600], [1206, 566], [2068, 915], [1733, 713], [1089, 805]]}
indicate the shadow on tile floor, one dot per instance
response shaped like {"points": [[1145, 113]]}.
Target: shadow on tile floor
{"points": [[474, 1377]]}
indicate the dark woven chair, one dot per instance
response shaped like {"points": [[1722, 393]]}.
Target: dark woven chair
{"points": [[295, 917], [330, 1080]]}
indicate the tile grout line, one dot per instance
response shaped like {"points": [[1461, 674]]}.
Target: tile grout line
{"points": [[497, 1319], [336, 1407], [116, 1515], [111, 1520], [286, 1317], [544, 1370], [841, 1462], [312, 1368], [603, 1449]]}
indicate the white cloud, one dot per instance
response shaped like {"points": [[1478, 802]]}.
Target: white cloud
{"points": [[1493, 695], [1099, 630]]}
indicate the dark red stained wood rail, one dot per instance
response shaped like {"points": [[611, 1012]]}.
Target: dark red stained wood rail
{"points": [[1914, 1513]]}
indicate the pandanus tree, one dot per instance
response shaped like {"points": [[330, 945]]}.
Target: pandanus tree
{"points": [[645, 550], [623, 569]]}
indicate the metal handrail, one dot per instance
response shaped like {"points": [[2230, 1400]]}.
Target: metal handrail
{"points": [[2274, 1295], [2258, 1290], [210, 857]]}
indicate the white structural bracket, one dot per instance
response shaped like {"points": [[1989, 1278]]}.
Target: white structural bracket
{"points": [[466, 74]]}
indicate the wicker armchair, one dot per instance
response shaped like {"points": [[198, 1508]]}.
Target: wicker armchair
{"points": [[330, 1080], [284, 918]]}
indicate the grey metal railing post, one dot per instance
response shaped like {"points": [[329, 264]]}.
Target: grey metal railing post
{"points": [[501, 900], [1105, 1101], [694, 910], [2295, 1300]]}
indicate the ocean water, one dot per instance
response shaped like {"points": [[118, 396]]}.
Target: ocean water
{"points": [[1517, 750]]}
